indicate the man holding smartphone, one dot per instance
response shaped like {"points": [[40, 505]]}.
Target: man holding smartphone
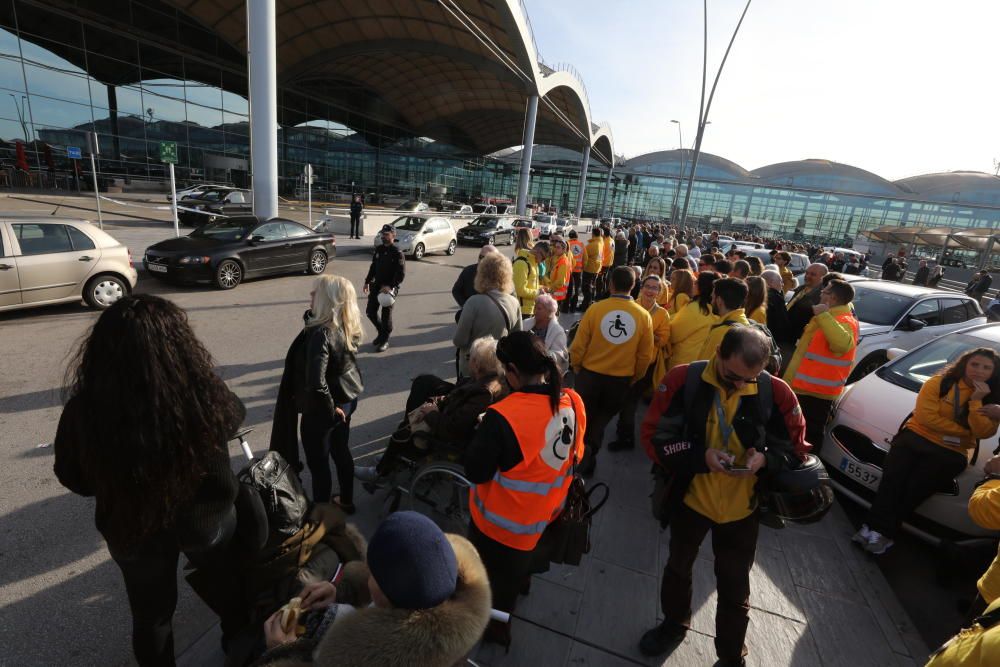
{"points": [[714, 426]]}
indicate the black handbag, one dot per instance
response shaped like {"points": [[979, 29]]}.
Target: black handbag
{"points": [[567, 538], [281, 492]]}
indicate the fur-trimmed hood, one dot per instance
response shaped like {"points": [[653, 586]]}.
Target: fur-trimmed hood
{"points": [[437, 637]]}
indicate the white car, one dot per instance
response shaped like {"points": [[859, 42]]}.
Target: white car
{"points": [[894, 315], [869, 413], [417, 235], [195, 190]]}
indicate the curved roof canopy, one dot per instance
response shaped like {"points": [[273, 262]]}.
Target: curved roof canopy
{"points": [[965, 187], [826, 175], [459, 72], [676, 162]]}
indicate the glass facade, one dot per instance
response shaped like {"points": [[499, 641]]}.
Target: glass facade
{"points": [[61, 77]]}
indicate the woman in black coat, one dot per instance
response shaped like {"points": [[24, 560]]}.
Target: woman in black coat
{"points": [[156, 462]]}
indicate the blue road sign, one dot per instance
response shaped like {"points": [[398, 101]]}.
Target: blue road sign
{"points": [[73, 152]]}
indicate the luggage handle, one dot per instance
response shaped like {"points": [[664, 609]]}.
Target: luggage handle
{"points": [[595, 507]]}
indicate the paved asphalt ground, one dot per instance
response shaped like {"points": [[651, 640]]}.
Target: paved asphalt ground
{"points": [[61, 597]]}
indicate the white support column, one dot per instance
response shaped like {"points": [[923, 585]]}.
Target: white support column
{"points": [[607, 189], [262, 61], [583, 181], [528, 146]]}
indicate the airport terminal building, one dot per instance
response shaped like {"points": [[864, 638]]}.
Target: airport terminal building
{"points": [[399, 100]]}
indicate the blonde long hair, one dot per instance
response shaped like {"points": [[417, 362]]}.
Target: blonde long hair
{"points": [[335, 305]]}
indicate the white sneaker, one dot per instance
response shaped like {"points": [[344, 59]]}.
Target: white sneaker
{"points": [[878, 543], [861, 537]]}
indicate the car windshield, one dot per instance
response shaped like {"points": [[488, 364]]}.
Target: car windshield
{"points": [[875, 306], [408, 224], [484, 222], [919, 366], [226, 230]]}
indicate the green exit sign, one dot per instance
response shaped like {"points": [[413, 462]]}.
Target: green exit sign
{"points": [[168, 151]]}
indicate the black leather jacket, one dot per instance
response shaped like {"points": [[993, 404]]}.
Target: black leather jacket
{"points": [[330, 372]]}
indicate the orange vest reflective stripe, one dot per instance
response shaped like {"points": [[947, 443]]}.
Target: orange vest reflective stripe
{"points": [[576, 248], [516, 506], [560, 270], [821, 371]]}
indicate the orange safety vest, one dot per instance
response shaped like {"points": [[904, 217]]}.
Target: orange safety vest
{"points": [[821, 371], [516, 506], [559, 291], [576, 248]]}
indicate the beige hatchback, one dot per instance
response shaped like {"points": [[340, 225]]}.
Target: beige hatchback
{"points": [[45, 260]]}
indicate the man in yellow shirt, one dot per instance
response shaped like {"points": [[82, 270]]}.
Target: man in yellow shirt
{"points": [[607, 260], [728, 297], [823, 357], [592, 262], [612, 349], [527, 284], [713, 452]]}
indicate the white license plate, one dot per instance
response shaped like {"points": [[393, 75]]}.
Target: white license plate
{"points": [[859, 472], [158, 268]]}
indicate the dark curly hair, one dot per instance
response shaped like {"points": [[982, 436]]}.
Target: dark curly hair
{"points": [[955, 371], [153, 412]]}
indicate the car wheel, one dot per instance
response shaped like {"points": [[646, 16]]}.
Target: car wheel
{"points": [[868, 365], [418, 252], [229, 274], [451, 248], [491, 240], [317, 262], [510, 239], [104, 290]]}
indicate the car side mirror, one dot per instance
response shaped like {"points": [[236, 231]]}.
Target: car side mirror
{"points": [[894, 352], [913, 324], [255, 239]]}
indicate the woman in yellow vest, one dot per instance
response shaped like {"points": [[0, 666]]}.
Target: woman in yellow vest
{"points": [[682, 287], [520, 463], [934, 444], [756, 305], [690, 329]]}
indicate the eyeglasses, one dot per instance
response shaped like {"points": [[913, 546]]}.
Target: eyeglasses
{"points": [[732, 378]]}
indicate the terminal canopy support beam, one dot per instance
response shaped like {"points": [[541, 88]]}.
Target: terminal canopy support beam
{"points": [[261, 58], [607, 189], [583, 180], [529, 144]]}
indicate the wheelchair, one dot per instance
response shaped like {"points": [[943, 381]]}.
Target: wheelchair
{"points": [[431, 482]]}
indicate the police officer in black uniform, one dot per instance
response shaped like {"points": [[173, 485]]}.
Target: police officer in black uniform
{"points": [[385, 275]]}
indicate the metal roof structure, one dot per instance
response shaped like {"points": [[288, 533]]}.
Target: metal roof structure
{"points": [[669, 161], [457, 71], [979, 239], [826, 174]]}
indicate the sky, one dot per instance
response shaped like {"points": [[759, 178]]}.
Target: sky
{"points": [[896, 87]]}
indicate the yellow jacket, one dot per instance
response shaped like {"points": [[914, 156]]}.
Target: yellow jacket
{"points": [[715, 495], [972, 647], [984, 508], [839, 336], [688, 332], [593, 255], [719, 330], [661, 326], [663, 298], [934, 417], [787, 279], [615, 338], [760, 315], [677, 304], [608, 258], [526, 280]]}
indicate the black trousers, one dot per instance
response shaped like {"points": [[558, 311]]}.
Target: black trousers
{"points": [[913, 471], [589, 284], [603, 396], [573, 291], [508, 569], [383, 322], [355, 226], [626, 417], [734, 545], [815, 411], [322, 440], [603, 278]]}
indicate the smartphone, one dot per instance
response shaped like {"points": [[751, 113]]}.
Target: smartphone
{"points": [[733, 468]]}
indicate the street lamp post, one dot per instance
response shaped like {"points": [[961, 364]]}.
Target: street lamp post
{"points": [[705, 107]]}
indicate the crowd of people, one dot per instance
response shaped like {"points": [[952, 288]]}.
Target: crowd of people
{"points": [[739, 383]]}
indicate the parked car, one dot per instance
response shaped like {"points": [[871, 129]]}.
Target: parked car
{"points": [[203, 211], [414, 206], [531, 225], [552, 225], [458, 209], [417, 235], [506, 209], [484, 209], [196, 190], [229, 251], [212, 194], [798, 264], [488, 229], [46, 260], [894, 315], [869, 413]]}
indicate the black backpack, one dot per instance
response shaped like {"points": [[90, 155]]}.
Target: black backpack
{"points": [[774, 363]]}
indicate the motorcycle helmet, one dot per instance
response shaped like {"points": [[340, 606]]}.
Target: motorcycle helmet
{"points": [[386, 299], [802, 494]]}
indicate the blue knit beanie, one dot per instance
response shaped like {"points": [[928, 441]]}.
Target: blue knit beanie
{"points": [[412, 561]]}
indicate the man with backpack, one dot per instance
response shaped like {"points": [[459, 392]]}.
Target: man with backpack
{"points": [[713, 428], [822, 361], [527, 284]]}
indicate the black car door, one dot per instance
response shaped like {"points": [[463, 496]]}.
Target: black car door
{"points": [[265, 248], [300, 242]]}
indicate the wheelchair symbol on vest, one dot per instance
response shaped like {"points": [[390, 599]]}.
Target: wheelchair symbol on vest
{"points": [[617, 327], [560, 434]]}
